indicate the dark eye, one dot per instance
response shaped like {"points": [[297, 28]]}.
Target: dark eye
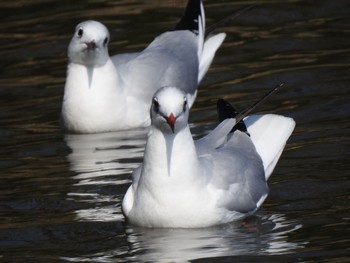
{"points": [[80, 32], [184, 106], [155, 105], [105, 41]]}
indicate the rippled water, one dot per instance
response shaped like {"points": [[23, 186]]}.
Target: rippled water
{"points": [[61, 193]]}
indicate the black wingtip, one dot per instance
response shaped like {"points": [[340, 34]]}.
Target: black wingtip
{"points": [[225, 111], [189, 20]]}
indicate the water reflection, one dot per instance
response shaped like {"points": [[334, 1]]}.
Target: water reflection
{"points": [[95, 155], [102, 160], [261, 235], [257, 235]]}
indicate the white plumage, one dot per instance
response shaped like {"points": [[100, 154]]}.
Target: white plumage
{"points": [[104, 93], [217, 179]]}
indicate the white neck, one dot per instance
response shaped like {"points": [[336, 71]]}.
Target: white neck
{"points": [[170, 160], [93, 95], [101, 79]]}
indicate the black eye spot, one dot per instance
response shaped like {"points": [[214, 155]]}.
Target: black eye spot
{"points": [[105, 41], [155, 105], [80, 32], [184, 106]]}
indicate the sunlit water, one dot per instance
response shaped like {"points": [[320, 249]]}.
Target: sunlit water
{"points": [[61, 194]]}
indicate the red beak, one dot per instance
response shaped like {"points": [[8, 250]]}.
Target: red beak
{"points": [[91, 44], [171, 121]]}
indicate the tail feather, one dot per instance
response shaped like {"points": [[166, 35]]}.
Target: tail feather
{"points": [[269, 134], [211, 45], [207, 47], [200, 37], [194, 20]]}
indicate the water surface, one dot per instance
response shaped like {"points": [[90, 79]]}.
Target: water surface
{"points": [[61, 194]]}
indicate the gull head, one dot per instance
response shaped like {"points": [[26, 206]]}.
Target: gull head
{"points": [[169, 110], [89, 44]]}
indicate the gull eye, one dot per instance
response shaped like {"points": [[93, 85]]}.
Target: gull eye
{"points": [[105, 41], [80, 32], [184, 106], [155, 105]]}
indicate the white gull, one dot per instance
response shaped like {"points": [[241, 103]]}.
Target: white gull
{"points": [[104, 93], [217, 179]]}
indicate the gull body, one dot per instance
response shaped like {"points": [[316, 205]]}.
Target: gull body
{"points": [[104, 93], [217, 179]]}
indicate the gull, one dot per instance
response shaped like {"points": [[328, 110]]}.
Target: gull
{"points": [[104, 93], [217, 179]]}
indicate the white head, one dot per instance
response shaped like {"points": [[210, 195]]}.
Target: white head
{"points": [[89, 44], [169, 110]]}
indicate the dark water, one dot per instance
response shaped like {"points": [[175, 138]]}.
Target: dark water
{"points": [[61, 194]]}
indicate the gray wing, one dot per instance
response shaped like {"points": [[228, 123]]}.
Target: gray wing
{"points": [[120, 59], [215, 138], [239, 175], [170, 60], [136, 176]]}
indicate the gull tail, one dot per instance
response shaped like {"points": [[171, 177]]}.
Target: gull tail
{"points": [[206, 56], [194, 20], [269, 134]]}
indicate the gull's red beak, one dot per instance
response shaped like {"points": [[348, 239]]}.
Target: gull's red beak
{"points": [[171, 121], [91, 44]]}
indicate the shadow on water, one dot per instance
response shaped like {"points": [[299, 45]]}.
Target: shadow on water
{"points": [[61, 194]]}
